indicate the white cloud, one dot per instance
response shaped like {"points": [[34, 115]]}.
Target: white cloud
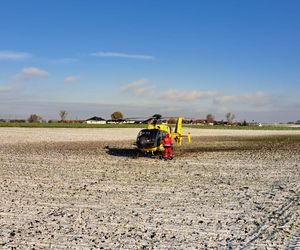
{"points": [[13, 55], [29, 73], [32, 72], [177, 95], [70, 79], [139, 87], [24, 75], [240, 99], [122, 55], [5, 88]]}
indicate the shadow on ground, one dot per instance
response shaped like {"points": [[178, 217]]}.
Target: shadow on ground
{"points": [[129, 152], [122, 152], [178, 151]]}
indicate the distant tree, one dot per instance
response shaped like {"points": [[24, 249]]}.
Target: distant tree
{"points": [[210, 118], [116, 115], [34, 118], [230, 117], [245, 123], [297, 122], [63, 115], [172, 121]]}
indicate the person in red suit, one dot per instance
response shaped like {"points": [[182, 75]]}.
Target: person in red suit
{"points": [[167, 143]]}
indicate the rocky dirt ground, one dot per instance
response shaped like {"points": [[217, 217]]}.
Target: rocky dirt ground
{"points": [[220, 192]]}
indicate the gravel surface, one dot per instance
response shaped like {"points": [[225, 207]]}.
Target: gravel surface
{"points": [[84, 189]]}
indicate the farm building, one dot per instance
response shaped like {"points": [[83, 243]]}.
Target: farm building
{"points": [[96, 120]]}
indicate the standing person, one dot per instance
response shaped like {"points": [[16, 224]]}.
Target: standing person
{"points": [[167, 143]]}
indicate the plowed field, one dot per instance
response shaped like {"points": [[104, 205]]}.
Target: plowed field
{"points": [[84, 189]]}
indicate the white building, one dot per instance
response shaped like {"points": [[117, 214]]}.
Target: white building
{"points": [[95, 120]]}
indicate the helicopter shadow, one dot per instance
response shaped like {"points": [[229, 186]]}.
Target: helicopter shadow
{"points": [[127, 153], [122, 152]]}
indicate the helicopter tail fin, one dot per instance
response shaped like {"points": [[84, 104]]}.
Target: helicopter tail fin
{"points": [[178, 128], [178, 134]]}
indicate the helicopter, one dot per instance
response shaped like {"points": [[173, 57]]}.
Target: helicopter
{"points": [[149, 140]]}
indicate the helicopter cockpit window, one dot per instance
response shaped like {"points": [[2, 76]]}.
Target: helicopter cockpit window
{"points": [[149, 138], [145, 133]]}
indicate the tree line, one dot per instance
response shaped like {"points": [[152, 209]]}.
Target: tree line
{"points": [[229, 117], [117, 115]]}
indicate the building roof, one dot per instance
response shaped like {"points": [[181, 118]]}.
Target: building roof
{"points": [[95, 118]]}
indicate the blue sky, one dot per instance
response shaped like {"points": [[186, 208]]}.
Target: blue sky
{"points": [[143, 57]]}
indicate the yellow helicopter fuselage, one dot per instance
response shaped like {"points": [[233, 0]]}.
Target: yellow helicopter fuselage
{"points": [[162, 129]]}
